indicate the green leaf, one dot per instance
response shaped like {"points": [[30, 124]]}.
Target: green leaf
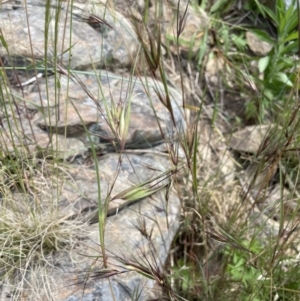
{"points": [[283, 78], [217, 6], [292, 36], [239, 41], [291, 48], [263, 63], [268, 95], [288, 19], [3, 42], [263, 36], [145, 189], [280, 4], [266, 11], [202, 48]]}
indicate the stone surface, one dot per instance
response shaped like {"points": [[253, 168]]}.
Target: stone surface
{"points": [[77, 45], [100, 105], [77, 273], [256, 45], [194, 25], [257, 179], [250, 138], [59, 123], [75, 187], [125, 242]]}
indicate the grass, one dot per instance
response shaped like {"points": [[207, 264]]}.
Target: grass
{"points": [[232, 244]]}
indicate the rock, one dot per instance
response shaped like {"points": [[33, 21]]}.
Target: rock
{"points": [[72, 192], [59, 126], [250, 138], [147, 112], [70, 119], [102, 112], [123, 239], [79, 277], [272, 202], [79, 110], [77, 187], [66, 148], [193, 28], [79, 272], [78, 46], [256, 45], [257, 178], [19, 137]]}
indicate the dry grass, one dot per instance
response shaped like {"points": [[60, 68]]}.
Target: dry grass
{"points": [[226, 248], [32, 227]]}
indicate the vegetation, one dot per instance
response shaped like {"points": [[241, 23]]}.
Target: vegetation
{"points": [[232, 244]]}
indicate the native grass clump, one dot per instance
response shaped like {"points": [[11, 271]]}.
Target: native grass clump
{"points": [[239, 223], [238, 243]]}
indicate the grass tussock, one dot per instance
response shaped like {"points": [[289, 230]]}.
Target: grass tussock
{"points": [[234, 241], [33, 226]]}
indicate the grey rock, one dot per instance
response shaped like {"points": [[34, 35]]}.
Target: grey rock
{"points": [[63, 119], [19, 136], [256, 45], [74, 187], [125, 243], [78, 45], [195, 24], [66, 148], [82, 101], [250, 138], [79, 273], [150, 121]]}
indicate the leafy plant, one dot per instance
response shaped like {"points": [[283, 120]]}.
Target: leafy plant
{"points": [[240, 269], [278, 69]]}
